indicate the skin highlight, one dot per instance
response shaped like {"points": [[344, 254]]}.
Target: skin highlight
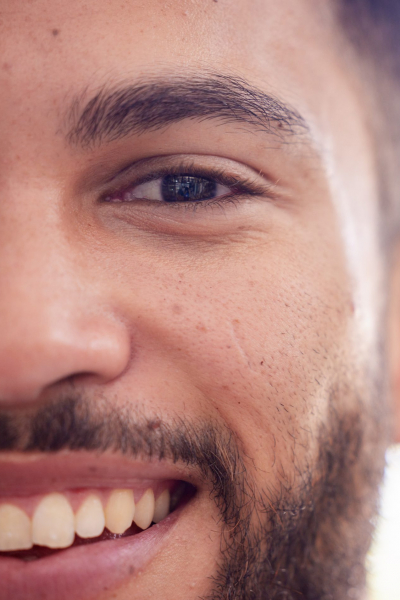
{"points": [[251, 329]]}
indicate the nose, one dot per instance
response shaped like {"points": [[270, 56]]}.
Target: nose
{"points": [[40, 351], [56, 322]]}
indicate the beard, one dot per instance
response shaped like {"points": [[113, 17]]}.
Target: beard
{"points": [[288, 541], [312, 544]]}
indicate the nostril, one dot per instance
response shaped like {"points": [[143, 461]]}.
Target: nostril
{"points": [[82, 377]]}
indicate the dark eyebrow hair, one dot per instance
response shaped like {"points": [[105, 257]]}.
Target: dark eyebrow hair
{"points": [[151, 104]]}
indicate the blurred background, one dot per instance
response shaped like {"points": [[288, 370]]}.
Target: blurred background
{"points": [[384, 558]]}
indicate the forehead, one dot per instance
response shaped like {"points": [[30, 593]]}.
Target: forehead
{"points": [[196, 29]]}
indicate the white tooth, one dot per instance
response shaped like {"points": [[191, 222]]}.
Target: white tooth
{"points": [[15, 529], [53, 522], [144, 510], [120, 510], [89, 519], [161, 507]]}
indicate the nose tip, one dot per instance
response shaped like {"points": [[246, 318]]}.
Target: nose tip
{"points": [[44, 356]]}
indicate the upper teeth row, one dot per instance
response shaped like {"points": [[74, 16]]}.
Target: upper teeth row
{"points": [[54, 523]]}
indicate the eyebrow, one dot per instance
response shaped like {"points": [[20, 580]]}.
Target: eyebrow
{"points": [[152, 104]]}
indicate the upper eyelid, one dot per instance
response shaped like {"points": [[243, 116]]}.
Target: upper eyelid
{"points": [[182, 160]]}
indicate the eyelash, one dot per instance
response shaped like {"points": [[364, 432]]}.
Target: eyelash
{"points": [[240, 187]]}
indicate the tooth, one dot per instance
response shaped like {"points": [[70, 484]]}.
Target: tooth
{"points": [[15, 529], [161, 507], [144, 510], [53, 522], [89, 519], [120, 510]]}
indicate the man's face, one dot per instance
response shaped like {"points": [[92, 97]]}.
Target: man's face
{"points": [[189, 270]]}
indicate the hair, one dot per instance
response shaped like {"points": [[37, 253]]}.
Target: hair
{"points": [[373, 29]]}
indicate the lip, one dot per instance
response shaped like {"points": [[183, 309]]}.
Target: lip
{"points": [[83, 572], [35, 474]]}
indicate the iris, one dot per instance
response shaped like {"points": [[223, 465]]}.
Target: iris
{"points": [[187, 188]]}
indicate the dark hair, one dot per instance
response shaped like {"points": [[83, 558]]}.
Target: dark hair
{"points": [[373, 29]]}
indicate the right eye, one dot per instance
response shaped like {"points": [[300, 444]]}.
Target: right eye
{"points": [[175, 188]]}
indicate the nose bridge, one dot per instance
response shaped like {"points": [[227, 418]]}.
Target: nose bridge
{"points": [[35, 257], [54, 323]]}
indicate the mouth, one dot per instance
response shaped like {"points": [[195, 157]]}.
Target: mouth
{"points": [[64, 520]]}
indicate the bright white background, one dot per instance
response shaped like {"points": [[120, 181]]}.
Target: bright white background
{"points": [[384, 559]]}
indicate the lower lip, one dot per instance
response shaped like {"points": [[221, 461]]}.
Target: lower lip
{"points": [[83, 572]]}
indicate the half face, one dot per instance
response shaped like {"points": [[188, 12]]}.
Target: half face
{"points": [[188, 275]]}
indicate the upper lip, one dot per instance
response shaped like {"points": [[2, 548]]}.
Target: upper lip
{"points": [[25, 475]]}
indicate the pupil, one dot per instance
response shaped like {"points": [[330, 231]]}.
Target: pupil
{"points": [[187, 188]]}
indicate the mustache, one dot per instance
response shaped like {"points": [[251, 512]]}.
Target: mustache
{"points": [[74, 423]]}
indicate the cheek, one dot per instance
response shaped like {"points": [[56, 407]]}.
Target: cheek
{"points": [[265, 349]]}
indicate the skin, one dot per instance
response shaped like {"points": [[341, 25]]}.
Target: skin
{"points": [[248, 315]]}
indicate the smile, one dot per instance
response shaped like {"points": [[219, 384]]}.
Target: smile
{"points": [[67, 521]]}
